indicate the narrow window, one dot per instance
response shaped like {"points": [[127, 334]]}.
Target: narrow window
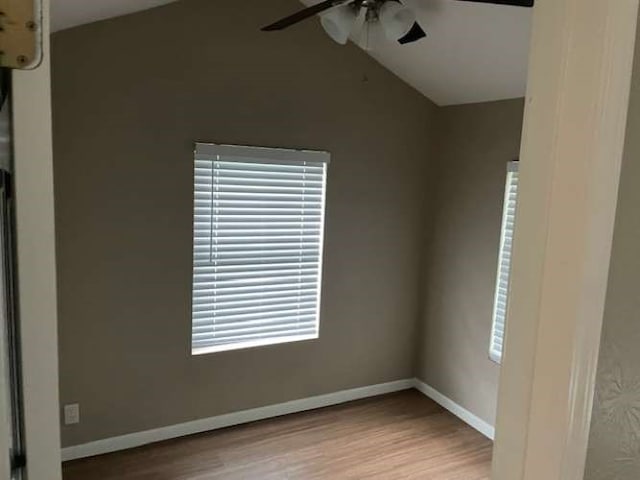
{"points": [[257, 246], [504, 263]]}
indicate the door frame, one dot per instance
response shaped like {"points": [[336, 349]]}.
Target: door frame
{"points": [[35, 233], [573, 141]]}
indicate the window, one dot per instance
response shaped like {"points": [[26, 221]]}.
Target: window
{"points": [[504, 263], [257, 246]]}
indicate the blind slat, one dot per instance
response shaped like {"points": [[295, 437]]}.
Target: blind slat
{"points": [[272, 337], [249, 305], [252, 272], [221, 298], [229, 257], [274, 316], [291, 265], [290, 287], [230, 330]]}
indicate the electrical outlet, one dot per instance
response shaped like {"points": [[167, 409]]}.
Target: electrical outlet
{"points": [[72, 414]]}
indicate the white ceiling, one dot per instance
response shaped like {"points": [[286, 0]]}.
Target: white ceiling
{"points": [[473, 52], [71, 13]]}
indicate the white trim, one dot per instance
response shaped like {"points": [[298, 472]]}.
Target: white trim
{"points": [[459, 411], [36, 260], [138, 439], [210, 151], [574, 131]]}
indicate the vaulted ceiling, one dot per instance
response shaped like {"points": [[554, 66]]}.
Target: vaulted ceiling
{"points": [[473, 52], [71, 13]]}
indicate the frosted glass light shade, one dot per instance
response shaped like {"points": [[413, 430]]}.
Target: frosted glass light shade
{"points": [[396, 20], [339, 22]]}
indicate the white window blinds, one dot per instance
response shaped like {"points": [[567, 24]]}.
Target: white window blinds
{"points": [[504, 263], [257, 246]]}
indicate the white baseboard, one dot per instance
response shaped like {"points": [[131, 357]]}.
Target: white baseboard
{"points": [[138, 439], [132, 440], [462, 413]]}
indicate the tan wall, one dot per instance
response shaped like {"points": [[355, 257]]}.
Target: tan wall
{"points": [[476, 143], [131, 95], [614, 444]]}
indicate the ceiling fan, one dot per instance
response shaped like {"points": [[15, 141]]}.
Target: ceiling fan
{"points": [[339, 17]]}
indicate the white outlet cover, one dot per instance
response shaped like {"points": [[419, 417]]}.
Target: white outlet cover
{"points": [[72, 414]]}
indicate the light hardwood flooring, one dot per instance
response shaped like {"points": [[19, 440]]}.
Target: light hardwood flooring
{"points": [[398, 436]]}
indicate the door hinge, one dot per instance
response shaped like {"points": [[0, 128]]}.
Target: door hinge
{"points": [[20, 33]]}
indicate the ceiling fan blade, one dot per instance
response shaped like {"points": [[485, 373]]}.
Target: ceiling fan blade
{"points": [[303, 15], [416, 33], [515, 3]]}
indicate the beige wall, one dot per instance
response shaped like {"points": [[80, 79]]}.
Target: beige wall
{"points": [[476, 142], [614, 444], [131, 95]]}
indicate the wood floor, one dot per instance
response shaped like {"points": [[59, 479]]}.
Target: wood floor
{"points": [[397, 436]]}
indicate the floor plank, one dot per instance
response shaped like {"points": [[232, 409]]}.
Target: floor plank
{"points": [[396, 436]]}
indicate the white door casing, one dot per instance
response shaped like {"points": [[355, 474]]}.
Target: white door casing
{"points": [[33, 161], [575, 121]]}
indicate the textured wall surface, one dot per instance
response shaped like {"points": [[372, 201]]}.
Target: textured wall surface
{"points": [[614, 446], [476, 143], [131, 95]]}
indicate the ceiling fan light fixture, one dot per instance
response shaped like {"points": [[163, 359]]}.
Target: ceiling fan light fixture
{"points": [[396, 19], [339, 22]]}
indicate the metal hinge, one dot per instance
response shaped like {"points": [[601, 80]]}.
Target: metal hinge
{"points": [[20, 33]]}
